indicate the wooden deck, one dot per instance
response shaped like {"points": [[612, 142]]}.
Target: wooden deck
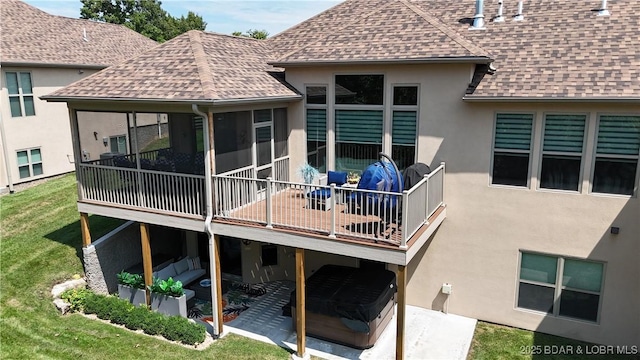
{"points": [[293, 213]]}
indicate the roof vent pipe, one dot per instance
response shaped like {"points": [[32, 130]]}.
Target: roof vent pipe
{"points": [[603, 9], [519, 16], [84, 34], [499, 18], [478, 19]]}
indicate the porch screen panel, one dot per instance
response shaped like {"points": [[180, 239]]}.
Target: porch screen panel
{"points": [[232, 140], [280, 132], [358, 138]]}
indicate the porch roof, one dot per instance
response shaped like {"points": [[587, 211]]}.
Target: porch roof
{"points": [[197, 66]]}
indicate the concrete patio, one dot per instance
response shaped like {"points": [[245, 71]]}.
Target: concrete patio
{"points": [[429, 334]]}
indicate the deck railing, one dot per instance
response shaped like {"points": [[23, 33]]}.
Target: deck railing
{"points": [[149, 189], [330, 210]]}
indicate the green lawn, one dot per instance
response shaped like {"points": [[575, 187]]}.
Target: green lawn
{"points": [[40, 247], [492, 341]]}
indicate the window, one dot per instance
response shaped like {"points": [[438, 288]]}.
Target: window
{"points": [[280, 132], [269, 255], [562, 152], [617, 151], [359, 118], [262, 120], [20, 91], [29, 163], [118, 144], [359, 89], [404, 120], [512, 149], [560, 286], [317, 127]]}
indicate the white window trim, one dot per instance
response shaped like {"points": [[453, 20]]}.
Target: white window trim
{"points": [[20, 95], [415, 108], [582, 154], [594, 157], [30, 163], [559, 287], [530, 152], [325, 107]]}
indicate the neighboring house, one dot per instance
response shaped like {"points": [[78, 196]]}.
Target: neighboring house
{"points": [[538, 122], [40, 54]]}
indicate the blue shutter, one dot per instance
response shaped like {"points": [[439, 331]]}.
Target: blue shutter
{"points": [[404, 128], [513, 131], [619, 135], [316, 125], [564, 133], [359, 126]]}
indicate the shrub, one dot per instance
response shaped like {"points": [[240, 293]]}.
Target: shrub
{"points": [[131, 280], [154, 323], [76, 297], [181, 329], [122, 312], [137, 318]]}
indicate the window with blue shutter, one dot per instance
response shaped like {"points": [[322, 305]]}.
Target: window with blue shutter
{"points": [[512, 149], [404, 122], [562, 152], [316, 103], [617, 151]]}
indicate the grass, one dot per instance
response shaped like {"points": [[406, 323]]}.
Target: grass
{"points": [[157, 144], [491, 341], [41, 246]]}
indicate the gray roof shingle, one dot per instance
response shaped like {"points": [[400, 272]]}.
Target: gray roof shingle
{"points": [[195, 66], [31, 36]]}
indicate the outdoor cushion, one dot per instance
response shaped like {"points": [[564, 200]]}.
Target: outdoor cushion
{"points": [[167, 272], [336, 177], [194, 263], [181, 266], [189, 276], [320, 194]]}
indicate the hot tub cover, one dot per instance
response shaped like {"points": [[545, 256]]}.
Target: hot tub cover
{"points": [[347, 292]]}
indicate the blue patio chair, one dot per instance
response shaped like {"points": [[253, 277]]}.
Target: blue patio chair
{"points": [[318, 198], [146, 164], [164, 165], [183, 163], [121, 161]]}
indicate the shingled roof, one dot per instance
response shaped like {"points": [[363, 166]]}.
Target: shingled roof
{"points": [[195, 66], [372, 32], [31, 36], [561, 50]]}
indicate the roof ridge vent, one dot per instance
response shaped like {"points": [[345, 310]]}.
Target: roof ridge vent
{"points": [[499, 18], [478, 19], [519, 16], [603, 9]]}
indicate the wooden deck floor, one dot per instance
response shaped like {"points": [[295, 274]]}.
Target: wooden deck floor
{"points": [[293, 213]]}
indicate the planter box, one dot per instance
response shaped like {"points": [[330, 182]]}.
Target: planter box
{"points": [[169, 305], [133, 295]]}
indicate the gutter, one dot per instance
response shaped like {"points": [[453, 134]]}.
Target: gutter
{"points": [[440, 60], [209, 211], [205, 102], [55, 65], [512, 99]]}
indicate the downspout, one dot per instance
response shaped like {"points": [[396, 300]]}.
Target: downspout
{"points": [[209, 211], [6, 155]]}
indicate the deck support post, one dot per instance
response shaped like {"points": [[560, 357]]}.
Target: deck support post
{"points": [[218, 283], [84, 229], [402, 306], [146, 259], [300, 304]]}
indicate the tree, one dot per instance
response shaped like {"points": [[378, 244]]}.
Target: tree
{"points": [[143, 16], [256, 34]]}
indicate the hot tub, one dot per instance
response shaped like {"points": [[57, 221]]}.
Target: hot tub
{"points": [[347, 305]]}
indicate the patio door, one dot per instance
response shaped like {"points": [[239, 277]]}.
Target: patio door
{"points": [[263, 149]]}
